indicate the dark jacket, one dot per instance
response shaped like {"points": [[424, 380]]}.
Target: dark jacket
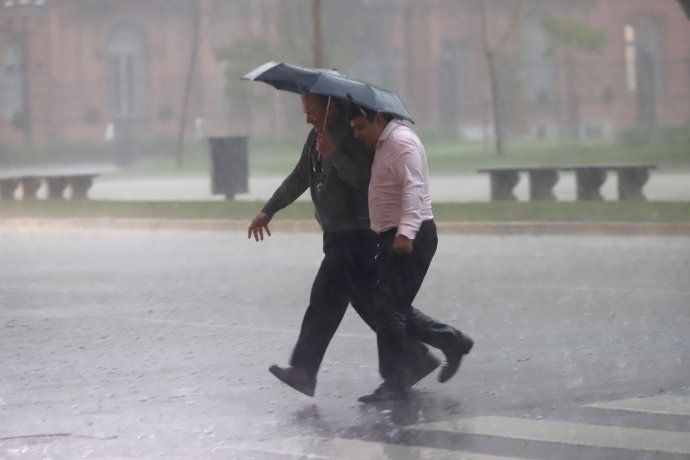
{"points": [[338, 188]]}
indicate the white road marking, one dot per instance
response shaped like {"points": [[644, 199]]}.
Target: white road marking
{"points": [[567, 433], [662, 404], [337, 448], [576, 288]]}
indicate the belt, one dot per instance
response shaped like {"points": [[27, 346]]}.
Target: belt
{"points": [[386, 233]]}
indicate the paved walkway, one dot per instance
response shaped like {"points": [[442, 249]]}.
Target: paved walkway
{"points": [[464, 188], [155, 345]]}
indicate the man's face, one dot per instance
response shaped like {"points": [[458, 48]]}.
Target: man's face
{"points": [[313, 110], [365, 131]]}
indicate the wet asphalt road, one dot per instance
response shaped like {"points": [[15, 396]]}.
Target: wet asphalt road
{"points": [[156, 344]]}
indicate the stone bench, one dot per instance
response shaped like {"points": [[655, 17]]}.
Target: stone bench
{"points": [[588, 180], [78, 179]]}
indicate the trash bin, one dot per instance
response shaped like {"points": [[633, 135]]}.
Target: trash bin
{"points": [[229, 166]]}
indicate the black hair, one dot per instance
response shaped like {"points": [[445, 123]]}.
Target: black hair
{"points": [[323, 100], [357, 111]]}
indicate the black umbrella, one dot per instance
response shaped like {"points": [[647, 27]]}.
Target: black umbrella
{"points": [[288, 77], [362, 94], [686, 7], [331, 83]]}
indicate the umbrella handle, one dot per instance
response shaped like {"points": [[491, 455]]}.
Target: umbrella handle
{"points": [[325, 118]]}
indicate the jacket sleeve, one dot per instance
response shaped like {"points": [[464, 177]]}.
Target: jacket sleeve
{"points": [[295, 184], [351, 161]]}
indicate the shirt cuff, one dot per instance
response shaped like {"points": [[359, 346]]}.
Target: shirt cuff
{"points": [[407, 230]]}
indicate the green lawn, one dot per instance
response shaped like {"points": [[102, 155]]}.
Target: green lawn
{"points": [[448, 155], [444, 212]]}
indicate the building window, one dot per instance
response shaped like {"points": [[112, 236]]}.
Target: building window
{"points": [[13, 81], [630, 57], [127, 88], [539, 68], [454, 84], [643, 64]]}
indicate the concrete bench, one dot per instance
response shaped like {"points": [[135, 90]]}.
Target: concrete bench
{"points": [[78, 179], [588, 180]]}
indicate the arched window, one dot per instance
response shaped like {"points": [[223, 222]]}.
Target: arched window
{"points": [[127, 75], [538, 64]]}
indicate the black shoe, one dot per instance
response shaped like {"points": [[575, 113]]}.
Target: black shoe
{"points": [[385, 392], [453, 358], [421, 369], [295, 377]]}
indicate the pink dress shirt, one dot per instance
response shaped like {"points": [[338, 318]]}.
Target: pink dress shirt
{"points": [[399, 187]]}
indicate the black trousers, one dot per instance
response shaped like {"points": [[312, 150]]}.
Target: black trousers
{"points": [[399, 278], [347, 274]]}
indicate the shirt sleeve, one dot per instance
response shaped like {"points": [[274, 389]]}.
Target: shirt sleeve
{"points": [[294, 184], [408, 170]]}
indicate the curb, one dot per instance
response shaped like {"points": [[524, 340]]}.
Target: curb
{"points": [[464, 228], [566, 228]]}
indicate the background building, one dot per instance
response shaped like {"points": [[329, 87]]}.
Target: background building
{"points": [[97, 69]]}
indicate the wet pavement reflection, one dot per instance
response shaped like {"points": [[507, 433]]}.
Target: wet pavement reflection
{"points": [[156, 344]]}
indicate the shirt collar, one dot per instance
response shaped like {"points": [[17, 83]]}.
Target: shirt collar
{"points": [[387, 131]]}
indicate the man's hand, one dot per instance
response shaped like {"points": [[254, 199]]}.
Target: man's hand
{"points": [[402, 245], [324, 144], [257, 226]]}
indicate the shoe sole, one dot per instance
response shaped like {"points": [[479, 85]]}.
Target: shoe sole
{"points": [[465, 352], [371, 399], [278, 374]]}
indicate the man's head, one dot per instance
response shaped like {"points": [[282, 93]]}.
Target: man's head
{"points": [[314, 107], [368, 126]]}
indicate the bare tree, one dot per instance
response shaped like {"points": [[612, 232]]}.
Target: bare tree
{"points": [[490, 53], [318, 33], [196, 18]]}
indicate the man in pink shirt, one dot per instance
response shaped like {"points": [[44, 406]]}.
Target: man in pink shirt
{"points": [[401, 216]]}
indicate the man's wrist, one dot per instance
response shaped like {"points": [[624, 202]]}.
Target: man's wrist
{"points": [[406, 232]]}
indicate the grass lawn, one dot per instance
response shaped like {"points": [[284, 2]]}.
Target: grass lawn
{"points": [[666, 212], [448, 155]]}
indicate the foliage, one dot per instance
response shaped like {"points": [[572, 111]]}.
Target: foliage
{"points": [[246, 53], [574, 34], [655, 135], [240, 57]]}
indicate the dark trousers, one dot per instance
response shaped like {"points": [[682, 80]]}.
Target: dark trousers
{"points": [[347, 275], [399, 278]]}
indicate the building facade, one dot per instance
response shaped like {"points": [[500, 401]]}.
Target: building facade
{"points": [[87, 69], [98, 69]]}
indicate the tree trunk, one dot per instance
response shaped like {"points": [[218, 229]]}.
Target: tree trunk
{"points": [[495, 107], [493, 79], [188, 84], [318, 33]]}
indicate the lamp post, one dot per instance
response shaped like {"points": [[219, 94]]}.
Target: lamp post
{"points": [[22, 18]]}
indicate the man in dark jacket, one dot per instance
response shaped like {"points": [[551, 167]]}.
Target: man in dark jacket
{"points": [[336, 171]]}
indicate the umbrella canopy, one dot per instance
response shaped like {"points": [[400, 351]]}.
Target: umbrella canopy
{"points": [[331, 83], [288, 77], [686, 7], [362, 94]]}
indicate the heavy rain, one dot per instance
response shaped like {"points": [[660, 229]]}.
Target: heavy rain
{"points": [[217, 216]]}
